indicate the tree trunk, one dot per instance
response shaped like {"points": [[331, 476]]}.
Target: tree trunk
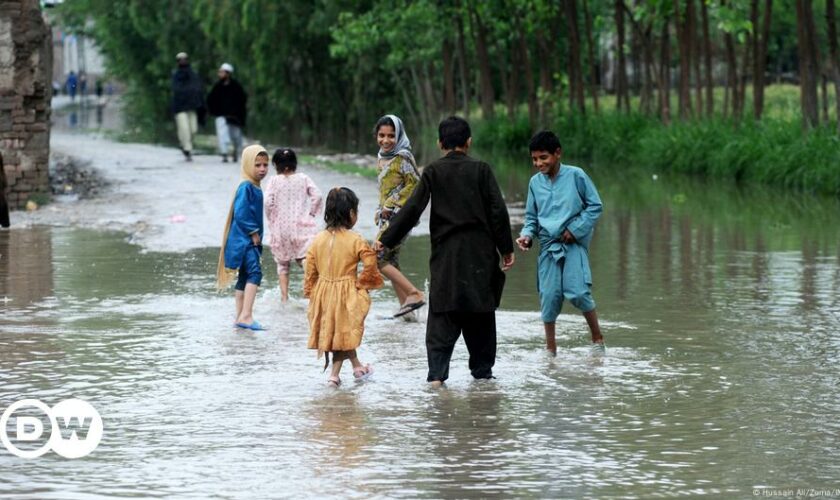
{"points": [[824, 86], [448, 77], [510, 82], [707, 59], [646, 101], [807, 63], [488, 96], [684, 46], [694, 44], [593, 63], [834, 54], [528, 73], [760, 58], [546, 74], [665, 74], [462, 66], [731, 77], [576, 97], [621, 94], [645, 37]]}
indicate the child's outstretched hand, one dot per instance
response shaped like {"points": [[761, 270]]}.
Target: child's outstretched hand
{"points": [[524, 243]]}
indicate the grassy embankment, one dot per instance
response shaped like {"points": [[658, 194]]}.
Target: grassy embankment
{"points": [[773, 151]]}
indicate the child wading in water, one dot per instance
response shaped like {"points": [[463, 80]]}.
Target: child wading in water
{"points": [[338, 297], [398, 176], [242, 242], [292, 201], [470, 234], [562, 209]]}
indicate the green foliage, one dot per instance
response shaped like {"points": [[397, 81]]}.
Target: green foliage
{"points": [[774, 151]]}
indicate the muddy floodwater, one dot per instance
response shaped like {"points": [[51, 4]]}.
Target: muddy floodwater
{"points": [[720, 308]]}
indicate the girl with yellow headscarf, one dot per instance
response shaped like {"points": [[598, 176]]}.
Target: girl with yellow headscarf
{"points": [[242, 242]]}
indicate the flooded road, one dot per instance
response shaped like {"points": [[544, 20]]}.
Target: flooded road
{"points": [[720, 309]]}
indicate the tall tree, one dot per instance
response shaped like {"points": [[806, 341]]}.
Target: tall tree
{"points": [[760, 41], [707, 59], [665, 72], [621, 91], [808, 62], [576, 96], [488, 94], [684, 42], [834, 54], [593, 63]]}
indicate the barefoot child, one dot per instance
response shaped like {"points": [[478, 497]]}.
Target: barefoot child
{"points": [[562, 209], [470, 230], [292, 201], [338, 296], [398, 176], [242, 242]]}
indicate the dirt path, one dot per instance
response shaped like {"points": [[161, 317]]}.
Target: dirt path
{"points": [[164, 203]]}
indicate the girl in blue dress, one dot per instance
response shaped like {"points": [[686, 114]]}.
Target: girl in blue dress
{"points": [[242, 243]]}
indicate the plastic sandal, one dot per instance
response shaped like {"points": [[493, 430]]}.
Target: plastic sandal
{"points": [[256, 326], [407, 308], [334, 382], [363, 372]]}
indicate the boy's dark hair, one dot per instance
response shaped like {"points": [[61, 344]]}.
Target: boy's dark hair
{"points": [[385, 120], [340, 202], [545, 140], [284, 160], [454, 132]]}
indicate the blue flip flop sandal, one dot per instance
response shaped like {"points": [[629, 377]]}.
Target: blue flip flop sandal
{"points": [[255, 326]]}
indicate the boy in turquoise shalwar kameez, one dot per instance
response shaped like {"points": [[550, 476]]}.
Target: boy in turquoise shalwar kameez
{"points": [[562, 209]]}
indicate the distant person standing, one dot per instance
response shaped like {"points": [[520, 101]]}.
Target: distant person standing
{"points": [[227, 101], [4, 207], [71, 84], [82, 85], [187, 99]]}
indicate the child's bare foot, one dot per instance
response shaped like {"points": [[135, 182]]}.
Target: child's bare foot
{"points": [[436, 384], [598, 350]]}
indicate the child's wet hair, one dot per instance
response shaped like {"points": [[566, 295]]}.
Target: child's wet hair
{"points": [[341, 201], [454, 132], [385, 120], [284, 160], [545, 140]]}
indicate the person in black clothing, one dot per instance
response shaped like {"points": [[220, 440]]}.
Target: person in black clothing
{"points": [[470, 229], [227, 101], [4, 207], [187, 102]]}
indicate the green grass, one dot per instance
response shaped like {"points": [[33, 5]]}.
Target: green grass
{"points": [[344, 168]]}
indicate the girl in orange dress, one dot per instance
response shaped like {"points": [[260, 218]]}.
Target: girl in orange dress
{"points": [[338, 297]]}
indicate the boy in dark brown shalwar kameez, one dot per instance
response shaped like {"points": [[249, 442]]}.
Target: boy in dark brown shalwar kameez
{"points": [[470, 229]]}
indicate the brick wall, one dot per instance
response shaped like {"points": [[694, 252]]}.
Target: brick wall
{"points": [[25, 92]]}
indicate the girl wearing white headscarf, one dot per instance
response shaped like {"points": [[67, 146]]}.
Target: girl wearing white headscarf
{"points": [[398, 176]]}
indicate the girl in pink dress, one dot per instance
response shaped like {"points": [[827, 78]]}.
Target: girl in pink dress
{"points": [[292, 203]]}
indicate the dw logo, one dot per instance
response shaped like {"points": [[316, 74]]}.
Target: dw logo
{"points": [[75, 428]]}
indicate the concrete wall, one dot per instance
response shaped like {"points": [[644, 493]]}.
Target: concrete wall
{"points": [[25, 92]]}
